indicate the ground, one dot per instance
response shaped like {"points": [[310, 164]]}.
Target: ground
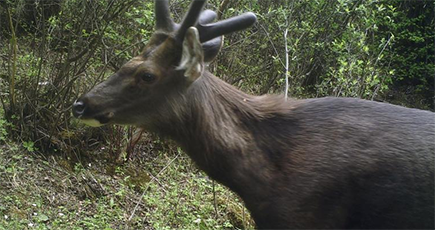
{"points": [[155, 189]]}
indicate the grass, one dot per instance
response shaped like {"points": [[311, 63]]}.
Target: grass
{"points": [[159, 188]]}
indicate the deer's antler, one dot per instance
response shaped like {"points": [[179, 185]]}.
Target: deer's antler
{"points": [[210, 33]]}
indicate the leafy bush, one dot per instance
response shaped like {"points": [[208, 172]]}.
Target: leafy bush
{"points": [[53, 60], [413, 55]]}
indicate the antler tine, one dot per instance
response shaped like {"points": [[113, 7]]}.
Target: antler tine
{"points": [[211, 48], [191, 18], [210, 31], [163, 16], [206, 17]]}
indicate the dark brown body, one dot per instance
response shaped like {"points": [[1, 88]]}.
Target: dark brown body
{"points": [[317, 163]]}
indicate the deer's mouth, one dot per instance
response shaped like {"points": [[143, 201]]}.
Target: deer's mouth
{"points": [[91, 116], [96, 121]]}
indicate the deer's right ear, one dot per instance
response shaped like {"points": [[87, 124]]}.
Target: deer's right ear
{"points": [[192, 59]]}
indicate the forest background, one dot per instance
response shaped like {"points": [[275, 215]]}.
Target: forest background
{"points": [[57, 173]]}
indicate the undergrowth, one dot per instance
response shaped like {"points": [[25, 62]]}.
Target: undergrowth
{"points": [[160, 189]]}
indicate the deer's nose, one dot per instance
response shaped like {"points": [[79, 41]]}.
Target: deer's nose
{"points": [[78, 108]]}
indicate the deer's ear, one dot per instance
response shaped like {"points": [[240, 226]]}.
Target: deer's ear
{"points": [[192, 59]]}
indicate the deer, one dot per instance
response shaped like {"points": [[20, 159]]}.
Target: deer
{"points": [[297, 163]]}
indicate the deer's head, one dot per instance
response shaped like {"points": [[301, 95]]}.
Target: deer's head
{"points": [[171, 61]]}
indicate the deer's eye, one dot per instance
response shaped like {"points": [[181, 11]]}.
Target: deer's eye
{"points": [[147, 77]]}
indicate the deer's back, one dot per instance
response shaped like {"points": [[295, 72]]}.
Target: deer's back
{"points": [[350, 163]]}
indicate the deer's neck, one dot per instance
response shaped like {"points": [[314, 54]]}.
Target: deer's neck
{"points": [[221, 129]]}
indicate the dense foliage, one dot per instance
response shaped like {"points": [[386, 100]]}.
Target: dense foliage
{"points": [[413, 54]]}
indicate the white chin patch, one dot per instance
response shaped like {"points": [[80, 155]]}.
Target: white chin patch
{"points": [[91, 122]]}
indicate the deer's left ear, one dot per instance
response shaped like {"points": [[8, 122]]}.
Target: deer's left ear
{"points": [[192, 59]]}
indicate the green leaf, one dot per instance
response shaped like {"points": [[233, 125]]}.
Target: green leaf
{"points": [[42, 218]]}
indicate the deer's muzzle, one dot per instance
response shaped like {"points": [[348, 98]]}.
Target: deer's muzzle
{"points": [[83, 112]]}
